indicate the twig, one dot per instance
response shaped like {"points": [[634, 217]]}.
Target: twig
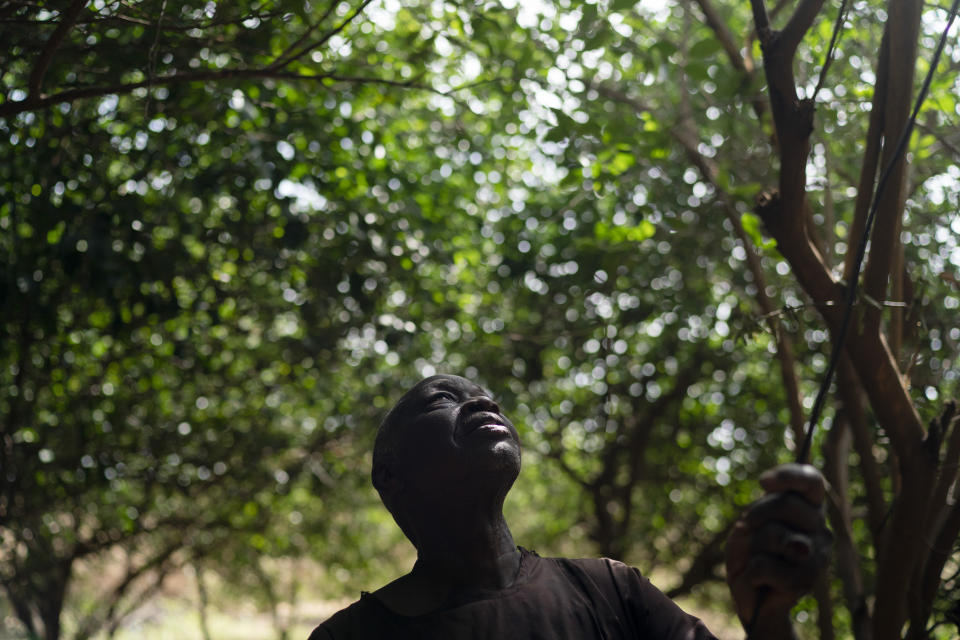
{"points": [[9, 109], [288, 55], [761, 21], [871, 155], [152, 57], [886, 208], [280, 63], [837, 27], [799, 24], [723, 34], [69, 18]]}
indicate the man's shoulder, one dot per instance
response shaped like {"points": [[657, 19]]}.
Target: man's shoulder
{"points": [[358, 621], [632, 596], [601, 571], [597, 564]]}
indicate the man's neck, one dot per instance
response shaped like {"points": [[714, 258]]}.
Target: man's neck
{"points": [[454, 553], [468, 554]]}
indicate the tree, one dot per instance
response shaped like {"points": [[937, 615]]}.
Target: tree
{"points": [[925, 458], [165, 331], [234, 234], [711, 74]]}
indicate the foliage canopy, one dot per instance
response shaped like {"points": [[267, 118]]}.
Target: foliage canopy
{"points": [[232, 233]]}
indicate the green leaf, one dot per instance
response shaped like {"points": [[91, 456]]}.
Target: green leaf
{"points": [[753, 226], [706, 48]]}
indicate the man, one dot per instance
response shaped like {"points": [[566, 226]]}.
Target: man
{"points": [[444, 460]]}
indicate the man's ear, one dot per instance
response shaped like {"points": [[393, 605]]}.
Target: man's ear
{"points": [[386, 481]]}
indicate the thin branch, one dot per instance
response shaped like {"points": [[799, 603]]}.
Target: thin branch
{"points": [[785, 353], [66, 23], [21, 607], [203, 600], [177, 27], [9, 109], [686, 136], [705, 563], [837, 27], [761, 21], [152, 56], [940, 550], [904, 24], [898, 275], [857, 418], [773, 13], [799, 24], [144, 595], [723, 33], [821, 593], [95, 621], [836, 452], [743, 63], [829, 208], [280, 63], [948, 427], [938, 135], [871, 155], [556, 454], [288, 55]]}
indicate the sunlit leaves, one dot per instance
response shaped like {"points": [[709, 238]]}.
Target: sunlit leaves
{"points": [[213, 290]]}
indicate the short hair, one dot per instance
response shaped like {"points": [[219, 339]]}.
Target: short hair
{"points": [[384, 446], [385, 454]]}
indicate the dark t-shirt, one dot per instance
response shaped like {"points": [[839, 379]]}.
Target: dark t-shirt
{"points": [[551, 598]]}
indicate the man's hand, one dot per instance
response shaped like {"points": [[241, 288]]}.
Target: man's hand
{"points": [[777, 548]]}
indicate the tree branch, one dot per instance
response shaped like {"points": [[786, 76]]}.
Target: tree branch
{"points": [[143, 595], [941, 549], [22, 609], [867, 348], [40, 67], [9, 109], [783, 215], [904, 25], [836, 451], [857, 420], [821, 593], [293, 55], [762, 21], [742, 63], [799, 24], [897, 562], [828, 60], [942, 139], [723, 33], [556, 454], [203, 599], [705, 563], [941, 529], [871, 157], [785, 354], [949, 426], [287, 56]]}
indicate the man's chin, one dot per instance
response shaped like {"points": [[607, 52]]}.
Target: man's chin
{"points": [[504, 461]]}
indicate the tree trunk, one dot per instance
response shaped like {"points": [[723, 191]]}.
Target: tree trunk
{"points": [[203, 601]]}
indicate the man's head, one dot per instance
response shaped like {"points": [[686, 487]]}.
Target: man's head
{"points": [[445, 439]]}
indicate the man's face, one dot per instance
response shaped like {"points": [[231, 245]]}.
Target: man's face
{"points": [[446, 429]]}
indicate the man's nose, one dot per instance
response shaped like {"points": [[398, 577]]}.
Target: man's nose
{"points": [[482, 403]]}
